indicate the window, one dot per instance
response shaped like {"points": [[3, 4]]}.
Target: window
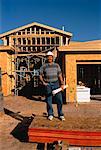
{"points": [[57, 40], [29, 42], [38, 40], [19, 40], [52, 41], [48, 40], [19, 33], [33, 40], [43, 40], [24, 41], [64, 40]]}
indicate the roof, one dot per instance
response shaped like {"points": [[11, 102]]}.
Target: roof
{"points": [[6, 48], [80, 46], [36, 24]]}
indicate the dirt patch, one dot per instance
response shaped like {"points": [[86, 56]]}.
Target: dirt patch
{"points": [[16, 120]]}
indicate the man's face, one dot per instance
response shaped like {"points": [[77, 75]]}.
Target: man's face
{"points": [[50, 59]]}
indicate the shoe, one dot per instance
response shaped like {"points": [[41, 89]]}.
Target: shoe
{"points": [[50, 117], [62, 118]]}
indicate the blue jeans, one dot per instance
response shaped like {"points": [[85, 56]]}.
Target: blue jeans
{"points": [[58, 98]]}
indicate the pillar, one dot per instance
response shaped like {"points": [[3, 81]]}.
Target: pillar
{"points": [[10, 41], [39, 31], [6, 71], [5, 41], [21, 44], [25, 31], [34, 30], [67, 41], [31, 30], [31, 44], [26, 44], [71, 78], [61, 41]]}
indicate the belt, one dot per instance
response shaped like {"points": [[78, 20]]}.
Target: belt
{"points": [[53, 81]]}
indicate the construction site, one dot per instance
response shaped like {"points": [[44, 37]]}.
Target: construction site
{"points": [[22, 53]]}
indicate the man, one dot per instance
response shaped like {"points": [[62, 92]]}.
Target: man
{"points": [[51, 76]]}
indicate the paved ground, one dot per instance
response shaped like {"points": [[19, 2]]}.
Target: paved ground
{"points": [[17, 118]]}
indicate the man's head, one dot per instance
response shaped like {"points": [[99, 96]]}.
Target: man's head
{"points": [[50, 56]]}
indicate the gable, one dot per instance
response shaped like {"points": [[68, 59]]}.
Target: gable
{"points": [[38, 26]]}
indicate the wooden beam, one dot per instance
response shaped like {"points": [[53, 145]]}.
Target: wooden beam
{"points": [[25, 45], [36, 54], [34, 35], [77, 138]]}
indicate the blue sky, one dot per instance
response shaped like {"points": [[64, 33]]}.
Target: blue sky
{"points": [[81, 17]]}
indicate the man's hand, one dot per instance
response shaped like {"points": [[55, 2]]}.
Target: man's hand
{"points": [[45, 84], [62, 87], [41, 79]]}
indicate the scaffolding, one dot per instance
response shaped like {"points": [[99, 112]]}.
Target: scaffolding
{"points": [[30, 46], [28, 61]]}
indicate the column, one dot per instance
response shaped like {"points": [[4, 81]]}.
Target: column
{"points": [[39, 31], [67, 41], [21, 44], [25, 31], [71, 78], [44, 31], [5, 41], [34, 30], [26, 44], [31, 30], [10, 41], [61, 41], [41, 43], [35, 43], [16, 41], [31, 43]]}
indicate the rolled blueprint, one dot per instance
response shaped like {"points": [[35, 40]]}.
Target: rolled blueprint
{"points": [[59, 89]]}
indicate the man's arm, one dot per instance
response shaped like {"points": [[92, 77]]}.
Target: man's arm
{"points": [[42, 80], [61, 81], [41, 76]]}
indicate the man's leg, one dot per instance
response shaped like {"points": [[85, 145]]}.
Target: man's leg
{"points": [[49, 100], [59, 101]]}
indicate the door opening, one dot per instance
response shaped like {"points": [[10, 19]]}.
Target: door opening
{"points": [[90, 75]]}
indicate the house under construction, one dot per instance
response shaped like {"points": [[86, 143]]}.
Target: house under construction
{"points": [[24, 50]]}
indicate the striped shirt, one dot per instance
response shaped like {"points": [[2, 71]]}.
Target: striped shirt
{"points": [[50, 72]]}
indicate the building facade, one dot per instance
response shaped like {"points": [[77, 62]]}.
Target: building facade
{"points": [[24, 50]]}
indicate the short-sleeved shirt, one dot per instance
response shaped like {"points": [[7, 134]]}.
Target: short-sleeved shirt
{"points": [[50, 72]]}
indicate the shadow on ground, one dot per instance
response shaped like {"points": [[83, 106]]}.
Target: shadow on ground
{"points": [[21, 130]]}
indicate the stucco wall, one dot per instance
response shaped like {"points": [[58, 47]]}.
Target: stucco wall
{"points": [[71, 71], [7, 67]]}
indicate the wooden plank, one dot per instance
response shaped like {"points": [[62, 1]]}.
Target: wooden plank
{"points": [[34, 35], [77, 138]]}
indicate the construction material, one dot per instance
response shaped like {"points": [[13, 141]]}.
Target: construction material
{"points": [[77, 138], [83, 94], [59, 90]]}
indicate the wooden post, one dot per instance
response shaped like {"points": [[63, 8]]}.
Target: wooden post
{"points": [[31, 30], [5, 40], [67, 40], [34, 30], [61, 41]]}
